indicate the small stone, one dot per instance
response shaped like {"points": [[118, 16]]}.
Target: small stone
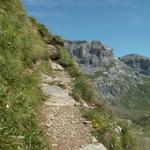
{"points": [[47, 125], [87, 122], [54, 145], [52, 118], [118, 129], [94, 140]]}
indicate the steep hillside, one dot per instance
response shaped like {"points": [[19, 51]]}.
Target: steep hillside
{"points": [[139, 63], [20, 49]]}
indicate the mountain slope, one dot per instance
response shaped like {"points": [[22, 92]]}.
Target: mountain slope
{"points": [[112, 79], [20, 49], [125, 90], [139, 63]]}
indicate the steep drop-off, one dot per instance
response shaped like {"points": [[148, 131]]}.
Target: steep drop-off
{"points": [[20, 49]]}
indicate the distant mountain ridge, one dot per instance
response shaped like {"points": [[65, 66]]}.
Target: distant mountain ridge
{"points": [[139, 63], [91, 56], [115, 81], [110, 76]]}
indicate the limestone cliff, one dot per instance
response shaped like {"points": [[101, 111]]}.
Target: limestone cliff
{"points": [[139, 63], [116, 82]]}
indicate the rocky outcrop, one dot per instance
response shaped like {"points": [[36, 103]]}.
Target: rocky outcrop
{"points": [[115, 82], [91, 56], [139, 63], [56, 40], [52, 52]]}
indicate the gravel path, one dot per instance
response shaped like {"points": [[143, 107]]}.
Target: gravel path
{"points": [[62, 120]]}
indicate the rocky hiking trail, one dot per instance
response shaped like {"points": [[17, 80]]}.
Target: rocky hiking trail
{"points": [[62, 121]]}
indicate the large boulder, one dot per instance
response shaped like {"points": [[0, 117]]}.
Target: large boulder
{"points": [[52, 52]]}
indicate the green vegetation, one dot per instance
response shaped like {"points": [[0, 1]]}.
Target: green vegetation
{"points": [[43, 31], [20, 48], [135, 107], [82, 89], [107, 131], [65, 61], [139, 97], [45, 67], [96, 75]]}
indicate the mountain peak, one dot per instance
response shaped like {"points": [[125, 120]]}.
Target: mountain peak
{"points": [[135, 56], [138, 62]]}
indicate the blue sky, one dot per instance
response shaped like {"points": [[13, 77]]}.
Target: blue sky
{"points": [[123, 25]]}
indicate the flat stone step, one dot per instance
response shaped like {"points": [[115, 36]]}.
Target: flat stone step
{"points": [[56, 66], [98, 146], [57, 96]]}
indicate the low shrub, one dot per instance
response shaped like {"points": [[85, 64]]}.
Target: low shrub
{"points": [[107, 132], [45, 67], [46, 36], [83, 90]]}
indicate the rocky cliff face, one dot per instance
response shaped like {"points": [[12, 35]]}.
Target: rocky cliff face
{"points": [[139, 63], [114, 81], [91, 56]]}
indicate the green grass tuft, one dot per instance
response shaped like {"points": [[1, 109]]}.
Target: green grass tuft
{"points": [[106, 130]]}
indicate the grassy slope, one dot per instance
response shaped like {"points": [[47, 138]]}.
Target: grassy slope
{"points": [[137, 97], [20, 47], [42, 30], [140, 101], [135, 107]]}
